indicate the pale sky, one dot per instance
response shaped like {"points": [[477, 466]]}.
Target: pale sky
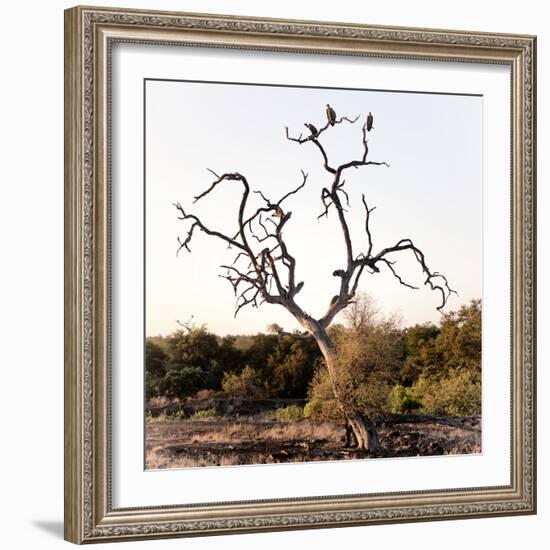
{"points": [[432, 193]]}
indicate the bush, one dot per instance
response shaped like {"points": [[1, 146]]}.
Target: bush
{"points": [[246, 384], [366, 366], [175, 415], [311, 408], [289, 414], [206, 414], [402, 400], [458, 394], [321, 404]]}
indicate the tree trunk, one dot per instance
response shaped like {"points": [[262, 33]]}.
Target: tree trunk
{"points": [[364, 432], [362, 428]]}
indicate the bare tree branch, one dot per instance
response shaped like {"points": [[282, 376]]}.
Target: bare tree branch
{"points": [[355, 267], [396, 275], [202, 227], [435, 280], [367, 226], [264, 269], [270, 273], [187, 325]]}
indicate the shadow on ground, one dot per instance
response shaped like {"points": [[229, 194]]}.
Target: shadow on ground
{"points": [[52, 527]]}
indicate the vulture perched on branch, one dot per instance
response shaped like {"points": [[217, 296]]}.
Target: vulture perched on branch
{"points": [[312, 129], [331, 115], [278, 212], [370, 120]]}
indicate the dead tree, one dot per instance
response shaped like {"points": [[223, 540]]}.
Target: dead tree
{"points": [[264, 270]]}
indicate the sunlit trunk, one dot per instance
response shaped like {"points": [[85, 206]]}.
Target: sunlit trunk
{"points": [[363, 431]]}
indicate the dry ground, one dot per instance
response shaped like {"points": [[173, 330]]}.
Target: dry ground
{"points": [[191, 443]]}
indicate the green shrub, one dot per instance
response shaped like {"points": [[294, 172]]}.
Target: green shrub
{"points": [[311, 408], [402, 400], [289, 414], [323, 409], [206, 414], [458, 394], [175, 415], [246, 384]]}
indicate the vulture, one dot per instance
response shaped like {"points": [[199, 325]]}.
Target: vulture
{"points": [[278, 213], [331, 115], [312, 129], [370, 120]]}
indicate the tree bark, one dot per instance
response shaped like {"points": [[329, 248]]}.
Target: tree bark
{"points": [[364, 431]]}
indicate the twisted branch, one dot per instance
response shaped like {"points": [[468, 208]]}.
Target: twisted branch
{"points": [[264, 268]]}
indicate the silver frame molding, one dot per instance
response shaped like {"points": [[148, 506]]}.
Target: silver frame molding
{"points": [[89, 35]]}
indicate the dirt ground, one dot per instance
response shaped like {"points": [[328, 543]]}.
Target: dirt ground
{"points": [[191, 443]]}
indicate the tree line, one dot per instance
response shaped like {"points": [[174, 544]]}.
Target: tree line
{"points": [[380, 367]]}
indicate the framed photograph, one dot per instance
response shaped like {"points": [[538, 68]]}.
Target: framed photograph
{"points": [[300, 274]]}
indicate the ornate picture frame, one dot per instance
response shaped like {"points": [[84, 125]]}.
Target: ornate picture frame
{"points": [[90, 34]]}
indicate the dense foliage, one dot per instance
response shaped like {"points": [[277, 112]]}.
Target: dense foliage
{"points": [[262, 366], [381, 367], [369, 358], [442, 368]]}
